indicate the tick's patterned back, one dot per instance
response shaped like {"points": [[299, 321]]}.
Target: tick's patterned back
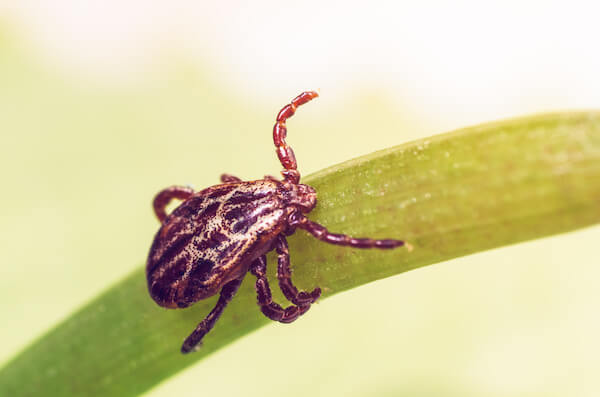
{"points": [[210, 239]]}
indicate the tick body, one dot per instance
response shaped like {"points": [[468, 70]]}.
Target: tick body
{"points": [[217, 235]]}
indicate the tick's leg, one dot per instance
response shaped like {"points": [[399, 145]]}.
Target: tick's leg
{"points": [[284, 274], [284, 152], [193, 341], [263, 292], [226, 178], [320, 232], [164, 197]]}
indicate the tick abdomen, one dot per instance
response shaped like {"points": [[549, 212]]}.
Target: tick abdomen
{"points": [[211, 239]]}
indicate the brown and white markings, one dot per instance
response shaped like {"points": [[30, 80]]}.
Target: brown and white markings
{"points": [[218, 234]]}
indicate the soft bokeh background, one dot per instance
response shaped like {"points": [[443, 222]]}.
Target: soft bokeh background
{"points": [[102, 105]]}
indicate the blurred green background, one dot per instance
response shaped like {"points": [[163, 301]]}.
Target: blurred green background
{"points": [[101, 107]]}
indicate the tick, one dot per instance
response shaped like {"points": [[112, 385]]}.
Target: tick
{"points": [[215, 236]]}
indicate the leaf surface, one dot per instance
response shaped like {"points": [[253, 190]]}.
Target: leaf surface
{"points": [[448, 196]]}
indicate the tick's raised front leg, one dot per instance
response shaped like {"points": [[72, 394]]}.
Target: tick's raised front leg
{"points": [[263, 292], [193, 341], [164, 197], [320, 232], [226, 178], [284, 274], [284, 151]]}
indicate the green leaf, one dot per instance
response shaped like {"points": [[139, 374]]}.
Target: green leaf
{"points": [[448, 196]]}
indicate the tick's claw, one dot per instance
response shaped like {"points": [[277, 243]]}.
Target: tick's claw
{"points": [[315, 294]]}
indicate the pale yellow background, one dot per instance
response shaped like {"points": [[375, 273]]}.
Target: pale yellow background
{"points": [[102, 105]]}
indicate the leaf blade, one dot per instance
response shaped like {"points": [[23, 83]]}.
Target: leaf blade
{"points": [[449, 195]]}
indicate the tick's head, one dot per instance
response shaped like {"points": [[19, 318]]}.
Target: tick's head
{"points": [[302, 196]]}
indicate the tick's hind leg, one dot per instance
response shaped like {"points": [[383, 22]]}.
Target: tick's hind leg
{"points": [[164, 197], [195, 338], [226, 178], [320, 232], [263, 292], [284, 274]]}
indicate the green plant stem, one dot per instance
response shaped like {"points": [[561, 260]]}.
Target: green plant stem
{"points": [[448, 196]]}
